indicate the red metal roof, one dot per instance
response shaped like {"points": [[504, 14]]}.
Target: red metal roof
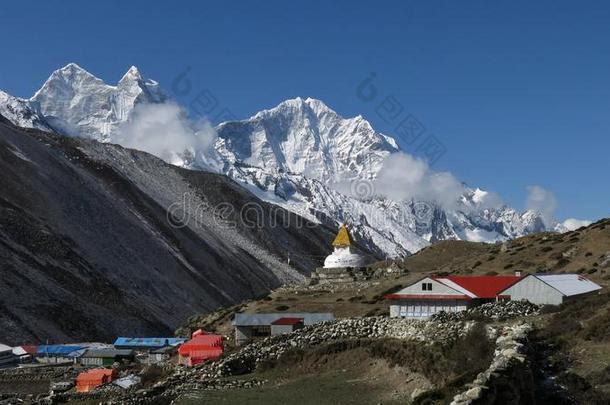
{"points": [[200, 356], [201, 342], [30, 349], [483, 286], [287, 321]]}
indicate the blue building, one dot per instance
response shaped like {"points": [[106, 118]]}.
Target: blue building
{"points": [[147, 344], [55, 354]]}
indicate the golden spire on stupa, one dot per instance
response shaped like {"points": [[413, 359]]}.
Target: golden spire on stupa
{"points": [[343, 238]]}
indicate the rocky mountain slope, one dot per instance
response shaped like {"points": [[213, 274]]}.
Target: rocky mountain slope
{"points": [[88, 251], [300, 155]]}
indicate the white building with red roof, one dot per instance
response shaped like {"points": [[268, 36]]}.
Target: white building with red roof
{"points": [[430, 295], [286, 325]]}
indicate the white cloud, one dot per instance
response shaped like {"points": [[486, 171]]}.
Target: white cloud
{"points": [[488, 199], [164, 131], [572, 223], [543, 201], [405, 177]]}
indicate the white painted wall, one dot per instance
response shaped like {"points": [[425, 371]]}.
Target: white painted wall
{"points": [[535, 291], [437, 288], [423, 309], [92, 361], [281, 329]]}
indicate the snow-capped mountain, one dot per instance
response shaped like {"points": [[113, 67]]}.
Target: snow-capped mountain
{"points": [[306, 137], [305, 157], [76, 103], [300, 155], [20, 112]]}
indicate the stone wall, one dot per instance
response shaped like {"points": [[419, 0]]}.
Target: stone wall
{"points": [[509, 379], [340, 275], [322, 275]]}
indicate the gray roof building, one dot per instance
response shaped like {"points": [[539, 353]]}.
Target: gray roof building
{"points": [[309, 318], [550, 289], [109, 352], [252, 326]]}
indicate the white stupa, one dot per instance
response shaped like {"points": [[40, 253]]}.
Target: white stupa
{"points": [[344, 255]]}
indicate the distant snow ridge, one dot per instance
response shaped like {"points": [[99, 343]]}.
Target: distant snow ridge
{"points": [[387, 228], [20, 112], [301, 155]]}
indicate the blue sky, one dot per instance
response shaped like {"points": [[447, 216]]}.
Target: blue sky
{"points": [[517, 93]]}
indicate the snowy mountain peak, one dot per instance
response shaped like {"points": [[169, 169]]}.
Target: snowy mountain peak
{"points": [[298, 105], [67, 79], [72, 70], [77, 103], [306, 136], [134, 73], [319, 107], [135, 83]]}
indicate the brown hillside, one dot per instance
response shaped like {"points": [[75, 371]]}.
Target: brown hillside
{"points": [[584, 251]]}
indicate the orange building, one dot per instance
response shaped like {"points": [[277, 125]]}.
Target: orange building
{"points": [[91, 379], [200, 348]]}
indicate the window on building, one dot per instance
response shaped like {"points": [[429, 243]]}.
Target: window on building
{"points": [[426, 286], [429, 286]]}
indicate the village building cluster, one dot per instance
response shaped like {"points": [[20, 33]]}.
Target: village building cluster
{"points": [[98, 360]]}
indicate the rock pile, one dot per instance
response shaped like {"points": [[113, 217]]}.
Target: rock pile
{"points": [[500, 310], [38, 373], [323, 275], [216, 384], [341, 275], [508, 350]]}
